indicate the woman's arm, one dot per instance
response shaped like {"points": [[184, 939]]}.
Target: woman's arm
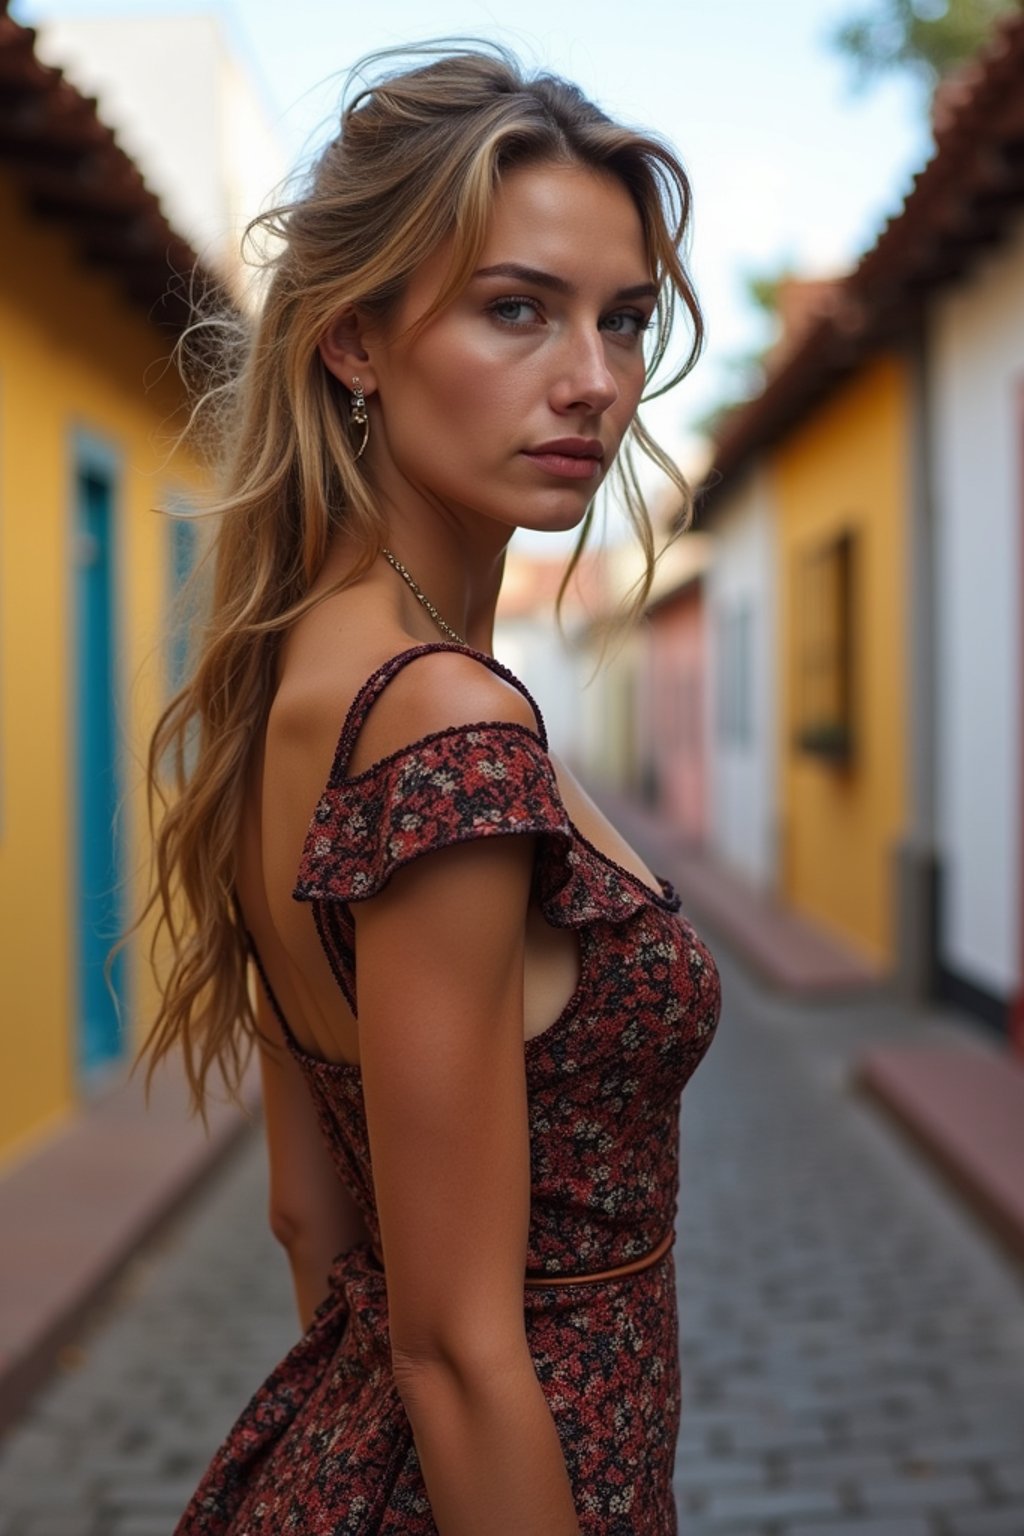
{"points": [[312, 1214], [441, 1041], [440, 960]]}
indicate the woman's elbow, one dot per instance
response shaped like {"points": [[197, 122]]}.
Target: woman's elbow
{"points": [[285, 1227], [465, 1365], [338, 1227], [293, 1227]]}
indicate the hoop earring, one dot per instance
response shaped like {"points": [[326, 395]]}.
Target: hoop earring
{"points": [[360, 416]]}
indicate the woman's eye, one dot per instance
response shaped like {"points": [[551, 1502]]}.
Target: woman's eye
{"points": [[627, 322], [515, 311]]}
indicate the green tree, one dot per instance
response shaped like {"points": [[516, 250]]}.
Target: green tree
{"points": [[744, 372], [762, 288], [928, 39]]}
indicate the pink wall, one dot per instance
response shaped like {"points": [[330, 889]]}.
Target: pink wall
{"points": [[675, 716]]}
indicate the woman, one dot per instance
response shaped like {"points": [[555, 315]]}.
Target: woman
{"points": [[453, 345]]}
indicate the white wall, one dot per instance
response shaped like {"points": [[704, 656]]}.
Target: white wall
{"points": [[743, 781], [532, 649], [976, 352], [187, 112]]}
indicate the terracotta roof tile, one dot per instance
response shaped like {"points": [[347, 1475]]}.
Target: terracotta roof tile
{"points": [[961, 201], [72, 171]]}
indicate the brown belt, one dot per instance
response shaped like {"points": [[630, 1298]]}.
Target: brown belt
{"points": [[618, 1272], [633, 1267]]}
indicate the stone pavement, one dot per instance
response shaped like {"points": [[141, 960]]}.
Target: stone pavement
{"points": [[853, 1343], [81, 1208], [114, 1445]]}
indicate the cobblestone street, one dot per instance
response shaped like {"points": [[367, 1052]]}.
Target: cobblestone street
{"points": [[853, 1344]]}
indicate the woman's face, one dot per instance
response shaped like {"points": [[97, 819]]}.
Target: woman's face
{"points": [[512, 402]]}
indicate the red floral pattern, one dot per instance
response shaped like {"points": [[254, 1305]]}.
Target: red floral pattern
{"points": [[325, 1445]]}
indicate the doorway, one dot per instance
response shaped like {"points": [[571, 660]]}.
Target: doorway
{"points": [[96, 778]]}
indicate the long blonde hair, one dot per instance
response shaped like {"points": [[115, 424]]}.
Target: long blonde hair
{"points": [[417, 160]]}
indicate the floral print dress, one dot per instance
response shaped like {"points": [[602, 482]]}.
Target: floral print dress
{"points": [[325, 1445]]}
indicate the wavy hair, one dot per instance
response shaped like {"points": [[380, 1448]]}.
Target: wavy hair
{"points": [[418, 158]]}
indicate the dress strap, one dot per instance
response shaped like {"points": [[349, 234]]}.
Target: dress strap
{"points": [[375, 684], [272, 998]]}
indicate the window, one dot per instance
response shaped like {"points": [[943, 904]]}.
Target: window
{"points": [[823, 622], [735, 674]]}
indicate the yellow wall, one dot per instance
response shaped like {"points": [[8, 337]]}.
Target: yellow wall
{"points": [[74, 353], [847, 468]]}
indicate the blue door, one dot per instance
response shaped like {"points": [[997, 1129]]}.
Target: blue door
{"points": [[96, 777]]}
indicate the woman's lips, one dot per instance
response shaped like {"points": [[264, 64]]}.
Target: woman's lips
{"points": [[569, 465]]}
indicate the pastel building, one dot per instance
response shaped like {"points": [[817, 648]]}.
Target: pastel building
{"points": [[674, 709], [88, 569], [973, 414], [741, 601], [866, 509]]}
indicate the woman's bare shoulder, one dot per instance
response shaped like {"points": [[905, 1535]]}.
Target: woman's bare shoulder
{"points": [[433, 691], [445, 688]]}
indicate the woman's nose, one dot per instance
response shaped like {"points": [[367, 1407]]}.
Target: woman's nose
{"points": [[585, 381]]}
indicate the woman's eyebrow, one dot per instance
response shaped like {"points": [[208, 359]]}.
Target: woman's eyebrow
{"points": [[560, 284]]}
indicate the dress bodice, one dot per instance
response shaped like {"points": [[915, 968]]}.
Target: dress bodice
{"points": [[604, 1079]]}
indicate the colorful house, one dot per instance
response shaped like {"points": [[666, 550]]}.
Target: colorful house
{"points": [[887, 442], [91, 303], [673, 710], [840, 484], [740, 645], [551, 661], [971, 506]]}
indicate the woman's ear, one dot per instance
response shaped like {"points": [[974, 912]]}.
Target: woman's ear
{"points": [[344, 353]]}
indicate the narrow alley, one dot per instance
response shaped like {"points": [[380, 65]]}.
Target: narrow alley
{"points": [[853, 1344]]}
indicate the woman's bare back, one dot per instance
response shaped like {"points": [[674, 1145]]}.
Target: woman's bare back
{"points": [[317, 684]]}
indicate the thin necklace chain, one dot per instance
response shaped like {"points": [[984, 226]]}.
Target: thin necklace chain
{"points": [[422, 597]]}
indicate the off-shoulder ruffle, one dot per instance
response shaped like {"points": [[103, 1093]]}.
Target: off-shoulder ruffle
{"points": [[466, 782]]}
